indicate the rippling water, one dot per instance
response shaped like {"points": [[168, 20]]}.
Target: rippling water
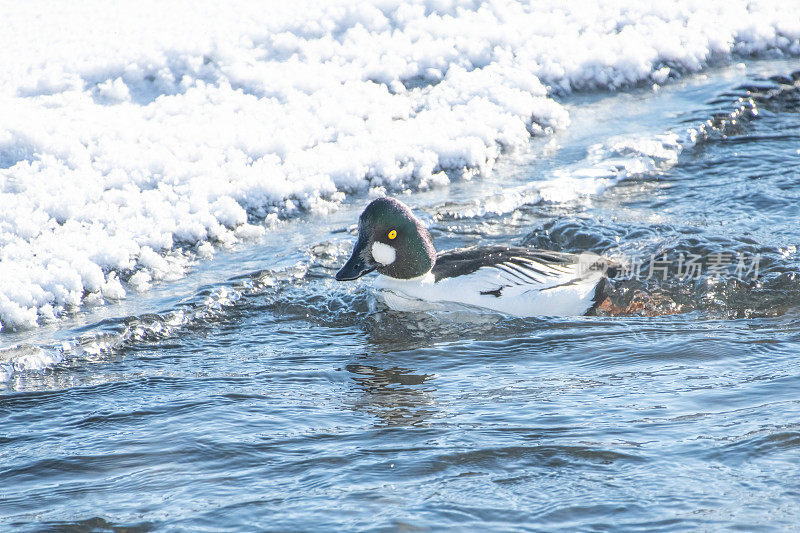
{"points": [[260, 394]]}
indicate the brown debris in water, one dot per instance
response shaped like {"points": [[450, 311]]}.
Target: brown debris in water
{"points": [[642, 303]]}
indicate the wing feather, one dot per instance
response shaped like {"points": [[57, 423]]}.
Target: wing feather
{"points": [[498, 270]]}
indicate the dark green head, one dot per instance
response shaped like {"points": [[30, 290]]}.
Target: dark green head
{"points": [[391, 240]]}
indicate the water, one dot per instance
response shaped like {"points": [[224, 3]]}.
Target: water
{"points": [[259, 394]]}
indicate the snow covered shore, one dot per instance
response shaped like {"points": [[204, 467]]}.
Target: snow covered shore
{"points": [[133, 138]]}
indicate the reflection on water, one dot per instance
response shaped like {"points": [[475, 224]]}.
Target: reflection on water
{"points": [[396, 396]]}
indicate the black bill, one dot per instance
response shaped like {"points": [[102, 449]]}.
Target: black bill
{"points": [[360, 263]]}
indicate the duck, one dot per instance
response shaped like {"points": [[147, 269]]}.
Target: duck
{"points": [[512, 280]]}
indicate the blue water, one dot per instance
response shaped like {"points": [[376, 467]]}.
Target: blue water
{"points": [[259, 394]]}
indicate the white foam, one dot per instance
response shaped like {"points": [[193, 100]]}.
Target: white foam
{"points": [[26, 357], [609, 162], [135, 136]]}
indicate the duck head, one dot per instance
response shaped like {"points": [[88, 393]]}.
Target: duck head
{"points": [[392, 241]]}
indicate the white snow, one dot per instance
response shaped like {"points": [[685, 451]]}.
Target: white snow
{"points": [[134, 136]]}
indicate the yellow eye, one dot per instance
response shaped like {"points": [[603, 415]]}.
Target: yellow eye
{"points": [[392, 234]]}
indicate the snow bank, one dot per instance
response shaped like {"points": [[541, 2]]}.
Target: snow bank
{"points": [[133, 134]]}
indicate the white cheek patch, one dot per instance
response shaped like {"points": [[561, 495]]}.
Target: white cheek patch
{"points": [[383, 253]]}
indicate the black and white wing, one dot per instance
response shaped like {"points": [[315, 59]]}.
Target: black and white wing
{"points": [[503, 271]]}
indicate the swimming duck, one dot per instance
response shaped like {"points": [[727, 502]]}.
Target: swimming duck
{"points": [[512, 280]]}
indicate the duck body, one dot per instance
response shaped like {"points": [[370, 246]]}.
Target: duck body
{"points": [[516, 281], [512, 280]]}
